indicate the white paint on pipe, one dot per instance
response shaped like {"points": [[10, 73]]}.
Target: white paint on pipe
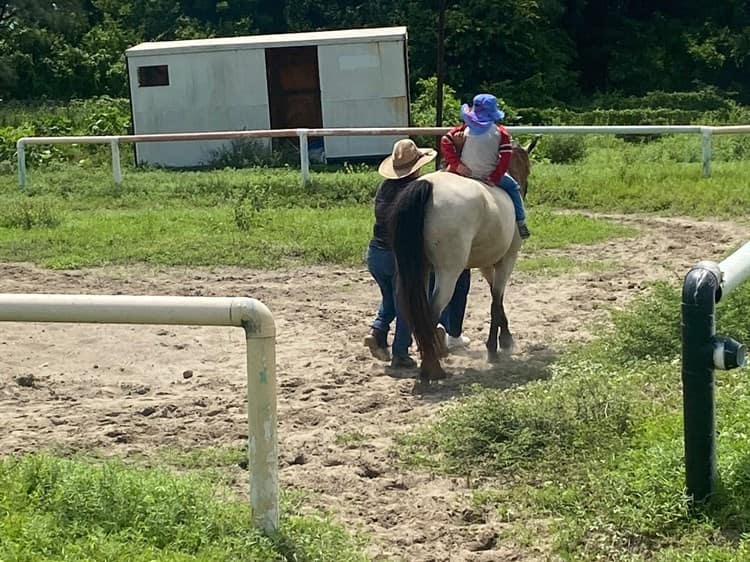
{"points": [[116, 169], [260, 334], [706, 151], [735, 269], [21, 152], [118, 309], [304, 156], [388, 131]]}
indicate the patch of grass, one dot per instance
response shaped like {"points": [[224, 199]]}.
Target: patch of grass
{"points": [[555, 230], [558, 265], [616, 176], [27, 213], [58, 509], [597, 450], [223, 221], [194, 237], [351, 439]]}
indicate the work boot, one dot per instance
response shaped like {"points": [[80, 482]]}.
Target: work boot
{"points": [[377, 342], [403, 362], [523, 230]]}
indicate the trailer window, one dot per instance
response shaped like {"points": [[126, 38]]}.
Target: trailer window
{"points": [[153, 76]]}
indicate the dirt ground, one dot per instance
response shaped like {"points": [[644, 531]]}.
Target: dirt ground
{"points": [[124, 389]]}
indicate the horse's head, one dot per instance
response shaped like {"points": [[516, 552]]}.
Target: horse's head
{"points": [[520, 165]]}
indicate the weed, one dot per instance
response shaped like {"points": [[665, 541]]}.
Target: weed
{"points": [[26, 213]]}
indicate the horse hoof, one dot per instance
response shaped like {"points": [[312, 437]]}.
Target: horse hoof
{"points": [[493, 357], [435, 374], [507, 346]]}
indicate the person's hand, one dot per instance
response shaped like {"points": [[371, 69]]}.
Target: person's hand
{"points": [[464, 170]]}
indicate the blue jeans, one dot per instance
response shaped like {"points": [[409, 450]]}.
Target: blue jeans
{"points": [[452, 317], [382, 266], [512, 188]]}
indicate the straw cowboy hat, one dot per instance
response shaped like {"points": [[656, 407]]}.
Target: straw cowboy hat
{"points": [[405, 160]]}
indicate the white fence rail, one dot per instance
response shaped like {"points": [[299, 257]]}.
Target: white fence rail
{"points": [[303, 134], [260, 333]]}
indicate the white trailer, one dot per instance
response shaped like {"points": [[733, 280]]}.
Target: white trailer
{"points": [[325, 79]]}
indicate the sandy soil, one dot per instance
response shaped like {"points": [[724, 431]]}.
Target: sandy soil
{"points": [[127, 390]]}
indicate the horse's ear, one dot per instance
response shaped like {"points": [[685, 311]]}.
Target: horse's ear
{"points": [[532, 145]]}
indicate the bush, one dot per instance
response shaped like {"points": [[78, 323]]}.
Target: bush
{"points": [[563, 149]]}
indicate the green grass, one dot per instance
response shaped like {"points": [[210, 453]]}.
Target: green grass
{"points": [[254, 218], [549, 266], [596, 450], [198, 236], [659, 177], [56, 509]]}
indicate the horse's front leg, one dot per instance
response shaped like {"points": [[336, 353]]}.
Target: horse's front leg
{"points": [[498, 322], [496, 311], [507, 345]]}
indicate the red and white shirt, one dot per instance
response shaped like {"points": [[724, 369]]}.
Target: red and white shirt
{"points": [[487, 154]]}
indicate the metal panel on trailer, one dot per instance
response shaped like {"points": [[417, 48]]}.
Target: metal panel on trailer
{"points": [[363, 85], [206, 92]]}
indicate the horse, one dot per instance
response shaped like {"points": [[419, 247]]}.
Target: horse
{"points": [[446, 223]]}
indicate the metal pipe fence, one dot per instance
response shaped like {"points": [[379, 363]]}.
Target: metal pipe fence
{"points": [[260, 335], [703, 352], [303, 134]]}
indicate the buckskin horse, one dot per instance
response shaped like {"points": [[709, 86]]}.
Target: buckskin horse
{"points": [[444, 222]]}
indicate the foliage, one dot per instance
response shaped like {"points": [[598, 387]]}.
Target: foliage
{"points": [[28, 213], [563, 149], [529, 53], [72, 510], [596, 448], [95, 116], [423, 107]]}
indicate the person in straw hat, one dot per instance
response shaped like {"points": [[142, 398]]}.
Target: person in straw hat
{"points": [[399, 169]]}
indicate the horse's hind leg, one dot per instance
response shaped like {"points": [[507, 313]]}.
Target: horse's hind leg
{"points": [[445, 284], [497, 277]]}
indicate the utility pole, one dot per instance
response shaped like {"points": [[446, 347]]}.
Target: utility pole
{"points": [[440, 72]]}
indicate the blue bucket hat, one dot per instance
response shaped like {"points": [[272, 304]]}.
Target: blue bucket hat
{"points": [[482, 114]]}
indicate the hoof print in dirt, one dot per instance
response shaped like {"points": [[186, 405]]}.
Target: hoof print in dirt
{"points": [[187, 374], [369, 471], [484, 541], [28, 381], [147, 411], [298, 459]]}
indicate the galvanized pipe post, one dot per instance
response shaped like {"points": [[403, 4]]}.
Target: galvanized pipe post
{"points": [[706, 151], [304, 156], [262, 425], [21, 152], [116, 169], [700, 292], [260, 335]]}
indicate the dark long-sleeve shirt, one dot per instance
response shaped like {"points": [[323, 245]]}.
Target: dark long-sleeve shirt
{"points": [[384, 198]]}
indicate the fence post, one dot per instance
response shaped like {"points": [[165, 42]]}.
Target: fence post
{"points": [[707, 150], [702, 352], [304, 157], [699, 295], [263, 454], [116, 169], [21, 152]]}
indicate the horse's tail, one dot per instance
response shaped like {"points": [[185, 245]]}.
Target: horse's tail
{"points": [[407, 240]]}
